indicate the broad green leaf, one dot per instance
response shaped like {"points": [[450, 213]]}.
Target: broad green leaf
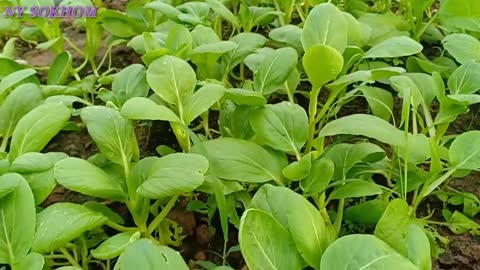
{"points": [[60, 223], [287, 35], [60, 69], [364, 125], [224, 12], [145, 255], [18, 103], [418, 247], [392, 227], [274, 70], [368, 213], [7, 185], [299, 217], [234, 120], [394, 47], [240, 160], [319, 177], [461, 153], [113, 134], [202, 100], [460, 14], [325, 25], [245, 97], [266, 244], [172, 78], [462, 47], [13, 78], [104, 210], [179, 42], [298, 169], [33, 261], [366, 252], [169, 179], [379, 100], [115, 245], [81, 176], [31, 163], [17, 220], [322, 64], [130, 82], [247, 44], [346, 156], [355, 189], [283, 126], [140, 108], [465, 79], [37, 128]]}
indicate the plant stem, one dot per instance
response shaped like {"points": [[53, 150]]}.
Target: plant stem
{"points": [[162, 215], [119, 227], [69, 257], [339, 217], [312, 112]]}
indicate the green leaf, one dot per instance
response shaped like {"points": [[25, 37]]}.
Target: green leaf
{"points": [[465, 79], [31, 163], [37, 128], [460, 14], [168, 179], [245, 97], [145, 255], [17, 220], [60, 69], [394, 47], [179, 41], [366, 252], [461, 153], [364, 125], [299, 169], [202, 100], [247, 44], [130, 82], [356, 189], [60, 223], [113, 134], [299, 217], [418, 247], [104, 210], [368, 213], [33, 261], [288, 35], [115, 245], [325, 25], [462, 47], [322, 64], [274, 70], [8, 185], [172, 79], [224, 12], [240, 160], [14, 78], [379, 100], [140, 108], [392, 227], [81, 176], [18, 103], [266, 244], [319, 177], [283, 126]]}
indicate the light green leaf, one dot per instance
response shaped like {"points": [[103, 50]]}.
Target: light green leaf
{"points": [[356, 189], [130, 82], [113, 134], [33, 261], [31, 163], [145, 255], [283, 126], [224, 12], [115, 245], [368, 213], [465, 79], [289, 35], [60, 69], [325, 25], [394, 47], [202, 100], [460, 14], [247, 44], [461, 153], [319, 177], [418, 247], [167, 179], [245, 97], [60, 223], [37, 128], [81, 176], [140, 108], [14, 78], [274, 70], [364, 125], [240, 160], [462, 47], [172, 78], [379, 100], [17, 220], [322, 64], [366, 252], [266, 244]]}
